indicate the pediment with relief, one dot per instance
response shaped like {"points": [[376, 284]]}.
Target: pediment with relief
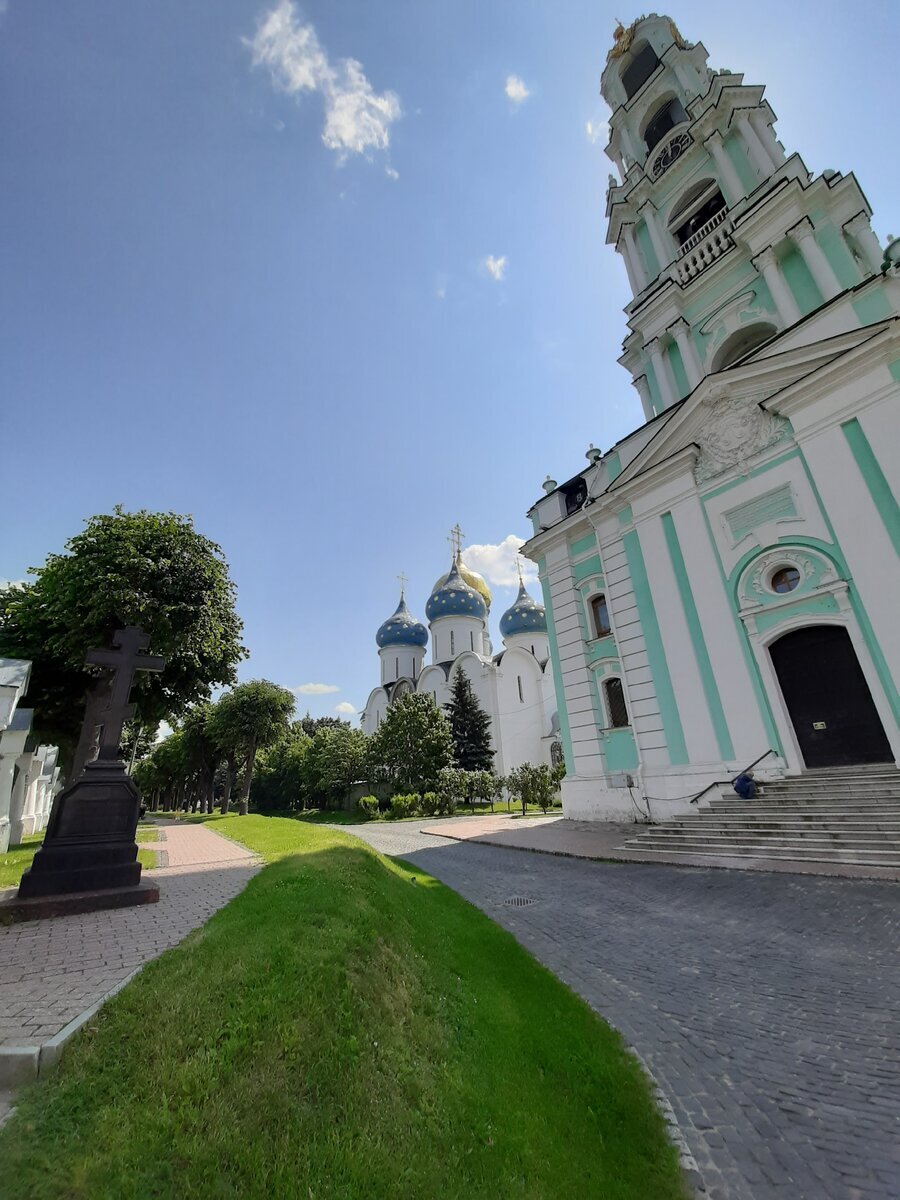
{"points": [[733, 431]]}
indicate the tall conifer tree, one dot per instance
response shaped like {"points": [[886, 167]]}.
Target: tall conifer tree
{"points": [[470, 726]]}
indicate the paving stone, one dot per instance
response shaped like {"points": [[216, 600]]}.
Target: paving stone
{"points": [[764, 1004]]}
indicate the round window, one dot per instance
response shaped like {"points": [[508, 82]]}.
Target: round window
{"points": [[785, 579]]}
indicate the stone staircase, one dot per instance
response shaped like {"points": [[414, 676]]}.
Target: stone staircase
{"points": [[841, 815]]}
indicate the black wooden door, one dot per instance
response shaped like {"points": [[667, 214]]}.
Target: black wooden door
{"points": [[828, 699]]}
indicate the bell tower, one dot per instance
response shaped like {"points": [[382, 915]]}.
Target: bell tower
{"points": [[727, 240]]}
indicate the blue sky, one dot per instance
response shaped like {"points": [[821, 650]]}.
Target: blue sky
{"points": [[332, 308]]}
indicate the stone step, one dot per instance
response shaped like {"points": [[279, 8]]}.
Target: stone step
{"points": [[857, 842], [867, 789], [805, 804], [883, 858], [800, 827]]}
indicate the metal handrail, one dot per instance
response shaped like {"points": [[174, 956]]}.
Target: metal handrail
{"points": [[722, 782]]}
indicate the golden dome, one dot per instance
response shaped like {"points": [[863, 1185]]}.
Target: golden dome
{"points": [[472, 578]]}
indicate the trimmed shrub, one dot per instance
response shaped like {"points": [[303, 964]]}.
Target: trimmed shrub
{"points": [[404, 806], [430, 805], [368, 806]]}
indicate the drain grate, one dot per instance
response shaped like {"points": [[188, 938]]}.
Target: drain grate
{"points": [[518, 901]]}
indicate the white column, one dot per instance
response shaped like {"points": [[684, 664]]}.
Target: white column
{"points": [[861, 231], [681, 332], [643, 390], [729, 179], [648, 212], [767, 264], [634, 264], [804, 238], [7, 771], [32, 778], [755, 148], [664, 380], [766, 135]]}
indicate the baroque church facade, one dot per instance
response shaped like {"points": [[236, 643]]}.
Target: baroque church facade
{"points": [[514, 686], [723, 583]]}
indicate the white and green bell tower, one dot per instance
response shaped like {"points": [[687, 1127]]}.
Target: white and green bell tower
{"points": [[727, 240]]}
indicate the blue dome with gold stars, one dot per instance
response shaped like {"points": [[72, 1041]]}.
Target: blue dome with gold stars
{"points": [[402, 629], [455, 598], [525, 616]]}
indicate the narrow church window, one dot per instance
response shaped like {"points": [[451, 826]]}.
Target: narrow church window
{"points": [[600, 615], [614, 696], [397, 667], [452, 644], [471, 640], [521, 693]]}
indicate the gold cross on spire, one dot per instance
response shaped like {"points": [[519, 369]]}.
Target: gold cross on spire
{"points": [[519, 569], [403, 582], [456, 539]]}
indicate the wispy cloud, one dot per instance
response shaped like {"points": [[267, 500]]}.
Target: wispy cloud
{"points": [[515, 89], [163, 731], [315, 689], [497, 563], [597, 131], [345, 708], [495, 267], [357, 118], [7, 583]]}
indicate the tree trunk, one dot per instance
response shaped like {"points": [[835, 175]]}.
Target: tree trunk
{"points": [[248, 779], [210, 789], [229, 784]]}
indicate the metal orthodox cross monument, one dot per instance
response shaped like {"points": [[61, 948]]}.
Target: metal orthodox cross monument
{"points": [[124, 659], [403, 582], [456, 539]]}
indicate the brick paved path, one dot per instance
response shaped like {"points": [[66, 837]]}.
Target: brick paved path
{"points": [[51, 971], [766, 1006]]}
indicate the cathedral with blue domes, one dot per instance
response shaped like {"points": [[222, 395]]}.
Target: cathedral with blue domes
{"points": [[514, 686]]}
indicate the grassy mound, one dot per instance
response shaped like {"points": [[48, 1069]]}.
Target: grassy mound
{"points": [[347, 1027]]}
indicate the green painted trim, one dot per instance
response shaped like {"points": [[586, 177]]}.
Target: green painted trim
{"points": [[619, 750], [741, 163], [626, 516], [656, 654], [839, 257], [583, 546], [613, 465], [701, 653], [760, 470], [653, 387], [756, 683], [799, 279], [561, 710], [879, 488], [815, 606], [586, 569], [871, 307], [601, 648], [677, 363], [882, 669], [894, 369], [645, 245]]}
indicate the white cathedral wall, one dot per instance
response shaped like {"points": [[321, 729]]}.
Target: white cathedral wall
{"points": [[452, 636], [523, 721], [400, 662]]}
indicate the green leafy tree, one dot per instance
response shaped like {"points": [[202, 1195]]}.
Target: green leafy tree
{"points": [[281, 776], [412, 745], [311, 725], [336, 761], [202, 751], [142, 568], [470, 727], [249, 718]]}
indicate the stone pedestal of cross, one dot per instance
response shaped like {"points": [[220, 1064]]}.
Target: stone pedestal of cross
{"points": [[89, 856]]}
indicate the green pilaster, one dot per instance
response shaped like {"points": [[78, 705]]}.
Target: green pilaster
{"points": [[879, 488], [871, 307], [798, 278], [561, 709], [681, 379], [701, 653], [656, 654]]}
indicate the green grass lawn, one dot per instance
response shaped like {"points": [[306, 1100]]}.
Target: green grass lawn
{"points": [[17, 860], [345, 1028]]}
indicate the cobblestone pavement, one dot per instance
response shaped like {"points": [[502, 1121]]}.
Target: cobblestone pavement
{"points": [[765, 1006], [51, 971]]}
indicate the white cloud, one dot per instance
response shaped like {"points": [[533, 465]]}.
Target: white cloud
{"points": [[345, 708], [391, 173], [496, 267], [441, 293], [357, 118], [164, 731], [597, 131], [7, 583], [497, 563], [516, 90], [315, 689]]}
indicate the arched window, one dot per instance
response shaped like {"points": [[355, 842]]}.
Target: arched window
{"points": [[397, 667], [696, 209], [644, 62], [741, 343], [614, 699], [666, 117], [471, 640], [600, 616], [452, 644], [521, 691]]}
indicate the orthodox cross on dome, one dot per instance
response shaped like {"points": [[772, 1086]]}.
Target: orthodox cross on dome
{"points": [[456, 540], [124, 659], [519, 569], [403, 580]]}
